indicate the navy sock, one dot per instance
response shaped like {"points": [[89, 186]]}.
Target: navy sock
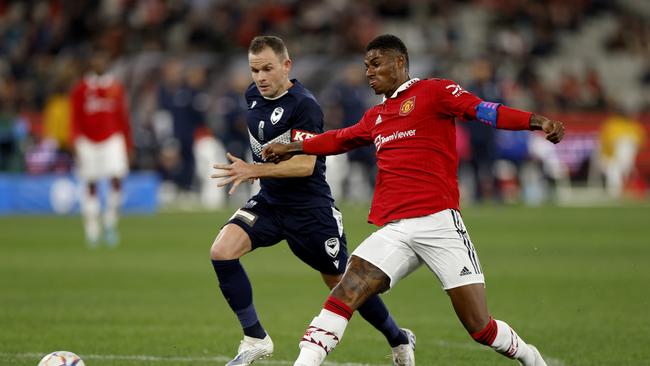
{"points": [[376, 313], [236, 288]]}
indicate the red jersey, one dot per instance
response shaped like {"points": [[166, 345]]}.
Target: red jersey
{"points": [[99, 109], [415, 136]]}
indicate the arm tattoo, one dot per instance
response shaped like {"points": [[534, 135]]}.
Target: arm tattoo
{"points": [[360, 281], [295, 148]]}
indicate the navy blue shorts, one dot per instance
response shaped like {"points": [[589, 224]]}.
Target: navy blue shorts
{"points": [[315, 235]]}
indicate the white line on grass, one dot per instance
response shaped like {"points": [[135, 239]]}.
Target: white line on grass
{"points": [[148, 358]]}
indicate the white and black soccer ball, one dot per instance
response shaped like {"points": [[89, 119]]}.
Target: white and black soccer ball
{"points": [[61, 358]]}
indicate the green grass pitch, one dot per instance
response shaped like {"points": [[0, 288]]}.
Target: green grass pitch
{"points": [[573, 281]]}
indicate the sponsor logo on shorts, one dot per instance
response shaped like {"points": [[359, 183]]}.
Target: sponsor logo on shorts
{"points": [[465, 272], [332, 247]]}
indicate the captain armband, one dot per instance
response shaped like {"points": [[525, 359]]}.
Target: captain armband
{"points": [[487, 113]]}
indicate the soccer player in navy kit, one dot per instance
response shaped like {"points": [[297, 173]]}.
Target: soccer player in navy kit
{"points": [[294, 203], [416, 200]]}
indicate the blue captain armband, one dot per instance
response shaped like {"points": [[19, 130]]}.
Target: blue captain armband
{"points": [[486, 112]]}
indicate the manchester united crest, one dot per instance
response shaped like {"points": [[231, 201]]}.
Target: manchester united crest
{"points": [[407, 106]]}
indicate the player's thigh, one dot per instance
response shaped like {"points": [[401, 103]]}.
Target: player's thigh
{"points": [[88, 162], [442, 242], [250, 227], [388, 250], [315, 236], [114, 159]]}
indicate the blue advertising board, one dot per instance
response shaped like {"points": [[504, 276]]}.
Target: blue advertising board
{"points": [[59, 194]]}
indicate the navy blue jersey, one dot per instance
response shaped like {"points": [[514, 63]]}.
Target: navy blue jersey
{"points": [[295, 116]]}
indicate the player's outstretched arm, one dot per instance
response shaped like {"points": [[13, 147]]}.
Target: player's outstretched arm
{"points": [[239, 171], [277, 152], [554, 129]]}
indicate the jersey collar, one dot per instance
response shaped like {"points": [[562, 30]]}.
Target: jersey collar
{"points": [[276, 98], [403, 87]]}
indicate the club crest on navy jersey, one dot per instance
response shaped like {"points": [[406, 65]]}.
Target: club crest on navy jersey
{"points": [[276, 115]]}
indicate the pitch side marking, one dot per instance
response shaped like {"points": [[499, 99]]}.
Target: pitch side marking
{"points": [[37, 356]]}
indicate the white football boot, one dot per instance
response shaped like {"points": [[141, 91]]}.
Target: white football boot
{"points": [[252, 349], [539, 361], [404, 354]]}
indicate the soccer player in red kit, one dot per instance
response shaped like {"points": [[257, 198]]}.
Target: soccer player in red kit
{"points": [[416, 200], [102, 139]]}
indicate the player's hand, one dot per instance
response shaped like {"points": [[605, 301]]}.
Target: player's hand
{"points": [[276, 152], [554, 130], [237, 172]]}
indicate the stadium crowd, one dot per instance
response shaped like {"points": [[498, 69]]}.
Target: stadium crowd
{"points": [[185, 69]]}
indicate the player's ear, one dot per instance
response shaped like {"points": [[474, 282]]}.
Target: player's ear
{"points": [[286, 64], [401, 61]]}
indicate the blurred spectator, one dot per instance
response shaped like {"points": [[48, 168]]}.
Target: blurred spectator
{"points": [[594, 91], [352, 175], [209, 151], [181, 103], [13, 138], [482, 137], [511, 153], [621, 137], [232, 109]]}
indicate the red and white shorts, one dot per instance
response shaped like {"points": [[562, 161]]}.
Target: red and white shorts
{"points": [[439, 240], [105, 159]]}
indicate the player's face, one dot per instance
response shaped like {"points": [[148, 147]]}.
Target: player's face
{"points": [[270, 72], [385, 71], [99, 62]]}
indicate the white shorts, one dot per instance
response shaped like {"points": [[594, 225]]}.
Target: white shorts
{"points": [[439, 240], [106, 159]]}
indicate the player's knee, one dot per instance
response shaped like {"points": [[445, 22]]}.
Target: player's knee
{"points": [[229, 246], [353, 289], [221, 251]]}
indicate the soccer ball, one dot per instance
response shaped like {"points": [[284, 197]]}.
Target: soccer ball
{"points": [[61, 358]]}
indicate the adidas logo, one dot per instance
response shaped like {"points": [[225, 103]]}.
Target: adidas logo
{"points": [[378, 120], [465, 272]]}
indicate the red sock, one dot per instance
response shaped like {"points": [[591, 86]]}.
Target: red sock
{"points": [[338, 307], [488, 334]]}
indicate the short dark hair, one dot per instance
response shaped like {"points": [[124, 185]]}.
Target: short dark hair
{"points": [[389, 42], [276, 44]]}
